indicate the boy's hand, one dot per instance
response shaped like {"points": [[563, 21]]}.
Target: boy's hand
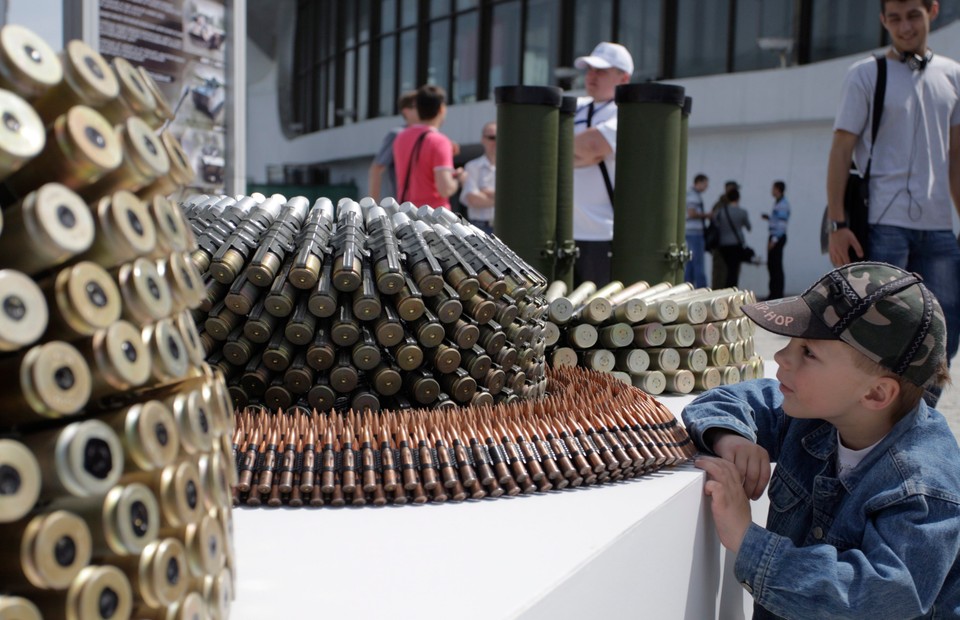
{"points": [[730, 506], [751, 461]]}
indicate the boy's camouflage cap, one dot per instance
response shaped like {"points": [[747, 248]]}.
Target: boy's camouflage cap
{"points": [[882, 311]]}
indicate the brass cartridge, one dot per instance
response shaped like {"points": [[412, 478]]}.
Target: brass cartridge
{"points": [[28, 66], [179, 491], [151, 436], [118, 357], [168, 353], [123, 521], [87, 80], [180, 174], [96, 592], [83, 459], [19, 480], [193, 417], [134, 99], [24, 314], [85, 299], [144, 161], [18, 608], [48, 381], [21, 133], [50, 226], [158, 574], [146, 294], [80, 147], [53, 548], [163, 113]]}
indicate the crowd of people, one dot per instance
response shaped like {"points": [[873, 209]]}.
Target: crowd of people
{"points": [[865, 498]]}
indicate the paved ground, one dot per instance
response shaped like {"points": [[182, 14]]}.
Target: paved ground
{"points": [[767, 344]]}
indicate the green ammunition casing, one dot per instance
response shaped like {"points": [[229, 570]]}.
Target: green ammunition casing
{"points": [[446, 305], [85, 298], [279, 353], [87, 80], [365, 353], [49, 227], [320, 354], [260, 324], [277, 396], [421, 386], [388, 329], [299, 377], [53, 548], [507, 310], [237, 349], [459, 385], [366, 298], [168, 353], [19, 479], [214, 293], [146, 295], [408, 354], [145, 160], [220, 322], [464, 333], [481, 307], [281, 298], [255, 378], [80, 147], [343, 376], [409, 301], [363, 400], [242, 296], [428, 330], [53, 381], [24, 316], [476, 362], [344, 330], [302, 324], [505, 356], [321, 396], [323, 297], [134, 99], [28, 65], [386, 379]]}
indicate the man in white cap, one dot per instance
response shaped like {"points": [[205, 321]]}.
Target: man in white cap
{"points": [[594, 158]]}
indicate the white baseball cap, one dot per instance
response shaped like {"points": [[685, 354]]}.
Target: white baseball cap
{"points": [[606, 55]]}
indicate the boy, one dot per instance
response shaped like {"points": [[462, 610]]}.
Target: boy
{"points": [[864, 513]]}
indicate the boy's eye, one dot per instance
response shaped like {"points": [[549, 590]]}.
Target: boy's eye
{"points": [[807, 352]]}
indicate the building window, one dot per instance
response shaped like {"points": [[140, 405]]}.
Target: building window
{"points": [[466, 58], [638, 28], [541, 43], [702, 36], [765, 34], [842, 28], [505, 45]]}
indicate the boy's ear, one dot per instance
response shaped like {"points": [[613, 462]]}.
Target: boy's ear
{"points": [[883, 393]]}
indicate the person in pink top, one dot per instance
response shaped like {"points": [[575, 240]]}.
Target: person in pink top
{"points": [[424, 157]]}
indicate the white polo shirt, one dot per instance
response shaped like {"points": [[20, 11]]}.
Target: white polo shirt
{"points": [[592, 210]]}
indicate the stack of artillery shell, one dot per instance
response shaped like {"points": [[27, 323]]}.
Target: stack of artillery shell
{"points": [[591, 429], [660, 338], [363, 306], [114, 466]]}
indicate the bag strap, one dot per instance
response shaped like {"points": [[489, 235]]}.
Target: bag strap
{"points": [[736, 233], [413, 160], [602, 164], [879, 94]]}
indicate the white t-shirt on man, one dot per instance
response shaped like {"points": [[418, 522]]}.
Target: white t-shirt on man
{"points": [[592, 209]]}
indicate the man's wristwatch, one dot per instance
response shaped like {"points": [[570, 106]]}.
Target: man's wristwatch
{"points": [[835, 226]]}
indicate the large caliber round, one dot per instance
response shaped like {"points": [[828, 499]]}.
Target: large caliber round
{"points": [[21, 133], [28, 66], [87, 80]]}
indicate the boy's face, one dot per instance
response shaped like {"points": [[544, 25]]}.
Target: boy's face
{"points": [[819, 380]]}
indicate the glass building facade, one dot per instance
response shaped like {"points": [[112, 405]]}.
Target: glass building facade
{"points": [[354, 57]]}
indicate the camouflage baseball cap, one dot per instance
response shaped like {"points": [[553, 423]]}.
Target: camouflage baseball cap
{"points": [[882, 311]]}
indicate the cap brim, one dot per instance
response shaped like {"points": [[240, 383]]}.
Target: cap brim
{"points": [[790, 316], [591, 61]]}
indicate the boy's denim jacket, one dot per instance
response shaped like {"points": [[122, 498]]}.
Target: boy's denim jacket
{"points": [[883, 543]]}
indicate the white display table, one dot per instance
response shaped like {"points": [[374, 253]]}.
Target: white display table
{"points": [[646, 548]]}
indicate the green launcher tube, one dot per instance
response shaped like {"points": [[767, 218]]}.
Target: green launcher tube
{"points": [[647, 182], [683, 257], [566, 246], [527, 141]]}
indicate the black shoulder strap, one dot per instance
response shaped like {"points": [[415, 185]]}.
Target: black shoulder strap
{"points": [[879, 94], [413, 160], [736, 231], [602, 164]]}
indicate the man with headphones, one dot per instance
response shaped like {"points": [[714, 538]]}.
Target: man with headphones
{"points": [[914, 166]]}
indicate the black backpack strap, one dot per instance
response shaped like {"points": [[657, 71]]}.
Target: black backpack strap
{"points": [[602, 164], [413, 161], [879, 94]]}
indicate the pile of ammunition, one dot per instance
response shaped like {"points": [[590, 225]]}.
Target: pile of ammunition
{"points": [[591, 429], [660, 338], [114, 465], [363, 306]]}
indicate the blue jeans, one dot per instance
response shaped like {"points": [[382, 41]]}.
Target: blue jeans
{"points": [[935, 255], [694, 271]]}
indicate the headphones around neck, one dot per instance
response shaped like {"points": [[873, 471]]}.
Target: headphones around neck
{"points": [[916, 62]]}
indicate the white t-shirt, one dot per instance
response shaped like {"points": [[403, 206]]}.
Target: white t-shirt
{"points": [[592, 210], [848, 459], [481, 174], [909, 176]]}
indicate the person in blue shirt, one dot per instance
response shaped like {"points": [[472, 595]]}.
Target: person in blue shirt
{"points": [[777, 238], [864, 518], [696, 222]]}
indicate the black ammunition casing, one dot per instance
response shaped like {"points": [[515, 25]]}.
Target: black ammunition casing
{"points": [[459, 385], [323, 298], [321, 396], [388, 329], [445, 358], [238, 349], [321, 352], [428, 330], [464, 332], [299, 377], [363, 399], [278, 353], [242, 296], [213, 295], [313, 245], [344, 330], [446, 305], [302, 324], [343, 376], [277, 396], [366, 298], [409, 301], [408, 354], [421, 386], [255, 378], [282, 296], [481, 307], [386, 379], [365, 352]]}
